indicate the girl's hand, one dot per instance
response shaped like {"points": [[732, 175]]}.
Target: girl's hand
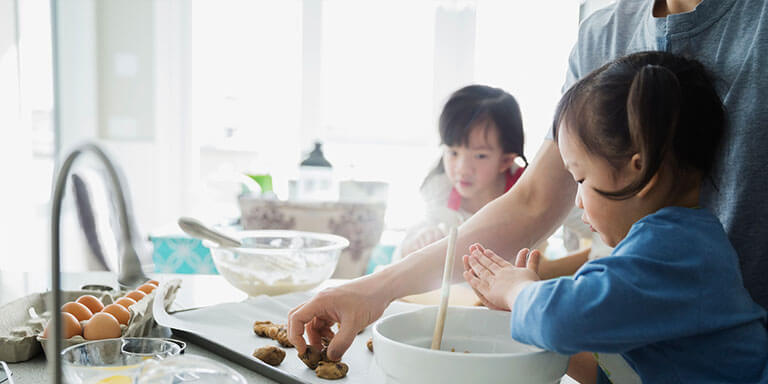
{"points": [[421, 239], [496, 281]]}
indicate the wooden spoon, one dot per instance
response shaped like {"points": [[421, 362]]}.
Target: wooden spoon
{"points": [[437, 337]]}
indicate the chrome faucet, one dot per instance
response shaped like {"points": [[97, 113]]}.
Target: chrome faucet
{"points": [[130, 274]]}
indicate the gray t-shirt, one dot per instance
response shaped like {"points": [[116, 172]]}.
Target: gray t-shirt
{"points": [[730, 37]]}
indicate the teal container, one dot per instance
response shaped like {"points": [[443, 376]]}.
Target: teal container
{"points": [[179, 254], [381, 255]]}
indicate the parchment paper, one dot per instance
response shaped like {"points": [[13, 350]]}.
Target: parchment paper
{"points": [[227, 329]]}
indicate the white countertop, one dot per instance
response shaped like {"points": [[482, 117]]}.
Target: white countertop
{"points": [[196, 291]]}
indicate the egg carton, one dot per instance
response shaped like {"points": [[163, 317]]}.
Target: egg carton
{"points": [[24, 320]]}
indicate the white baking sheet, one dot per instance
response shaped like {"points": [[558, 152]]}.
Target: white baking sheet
{"points": [[227, 329]]}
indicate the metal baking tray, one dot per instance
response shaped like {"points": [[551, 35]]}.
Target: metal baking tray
{"points": [[227, 330]]}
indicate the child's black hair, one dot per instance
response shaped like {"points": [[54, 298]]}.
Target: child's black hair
{"points": [[480, 104], [660, 105]]}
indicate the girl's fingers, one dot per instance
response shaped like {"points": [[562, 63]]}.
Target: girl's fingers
{"points": [[465, 260], [485, 301], [496, 258], [486, 262], [521, 258], [480, 270], [534, 260], [477, 284], [467, 275]]}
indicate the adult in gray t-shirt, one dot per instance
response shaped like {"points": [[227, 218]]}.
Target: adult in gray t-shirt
{"points": [[730, 37]]}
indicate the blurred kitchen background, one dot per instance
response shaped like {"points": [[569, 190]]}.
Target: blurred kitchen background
{"points": [[189, 96]]}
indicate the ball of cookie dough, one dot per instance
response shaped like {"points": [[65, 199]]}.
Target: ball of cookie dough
{"points": [[313, 356], [369, 344], [331, 371], [270, 354], [260, 327], [279, 333]]}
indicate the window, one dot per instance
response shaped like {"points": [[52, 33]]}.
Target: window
{"points": [[26, 137], [366, 78]]}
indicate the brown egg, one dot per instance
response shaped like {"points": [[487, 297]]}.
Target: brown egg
{"points": [[91, 302], [136, 295], [153, 282], [125, 302], [80, 311], [119, 312], [71, 326], [147, 288], [101, 326]]}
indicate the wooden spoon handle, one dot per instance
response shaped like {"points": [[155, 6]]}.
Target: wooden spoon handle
{"points": [[437, 337]]}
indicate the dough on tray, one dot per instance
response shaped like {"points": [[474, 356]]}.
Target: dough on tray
{"points": [[313, 356], [260, 327], [270, 354], [331, 370], [277, 332]]}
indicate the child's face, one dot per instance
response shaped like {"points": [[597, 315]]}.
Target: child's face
{"points": [[475, 169], [612, 219]]}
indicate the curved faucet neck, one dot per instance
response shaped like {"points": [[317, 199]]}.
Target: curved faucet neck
{"points": [[130, 274]]}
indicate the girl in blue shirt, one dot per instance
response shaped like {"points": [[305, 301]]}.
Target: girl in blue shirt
{"points": [[639, 135]]}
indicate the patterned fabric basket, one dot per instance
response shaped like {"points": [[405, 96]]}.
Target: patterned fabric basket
{"points": [[361, 223]]}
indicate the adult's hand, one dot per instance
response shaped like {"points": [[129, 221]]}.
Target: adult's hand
{"points": [[353, 306]]}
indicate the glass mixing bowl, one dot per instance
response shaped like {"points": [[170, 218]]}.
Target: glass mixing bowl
{"points": [[113, 360], [274, 262], [188, 369]]}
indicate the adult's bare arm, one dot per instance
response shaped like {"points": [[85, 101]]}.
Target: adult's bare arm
{"points": [[527, 213], [564, 266]]}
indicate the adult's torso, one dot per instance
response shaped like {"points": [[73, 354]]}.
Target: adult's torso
{"points": [[730, 37]]}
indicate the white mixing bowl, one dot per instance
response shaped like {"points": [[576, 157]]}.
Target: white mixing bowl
{"points": [[401, 348]]}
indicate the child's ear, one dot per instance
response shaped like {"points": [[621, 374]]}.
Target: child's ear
{"points": [[636, 167], [507, 160]]}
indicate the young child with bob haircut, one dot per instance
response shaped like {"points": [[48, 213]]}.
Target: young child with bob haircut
{"points": [[639, 136], [481, 132]]}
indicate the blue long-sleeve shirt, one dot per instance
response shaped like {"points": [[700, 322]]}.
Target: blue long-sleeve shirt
{"points": [[670, 299]]}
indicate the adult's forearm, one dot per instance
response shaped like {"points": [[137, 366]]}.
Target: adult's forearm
{"points": [[564, 266], [526, 214]]}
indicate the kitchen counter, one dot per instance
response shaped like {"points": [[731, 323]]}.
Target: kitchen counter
{"points": [[196, 291]]}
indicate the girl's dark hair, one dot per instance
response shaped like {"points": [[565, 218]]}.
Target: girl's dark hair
{"points": [[478, 104], [660, 105]]}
